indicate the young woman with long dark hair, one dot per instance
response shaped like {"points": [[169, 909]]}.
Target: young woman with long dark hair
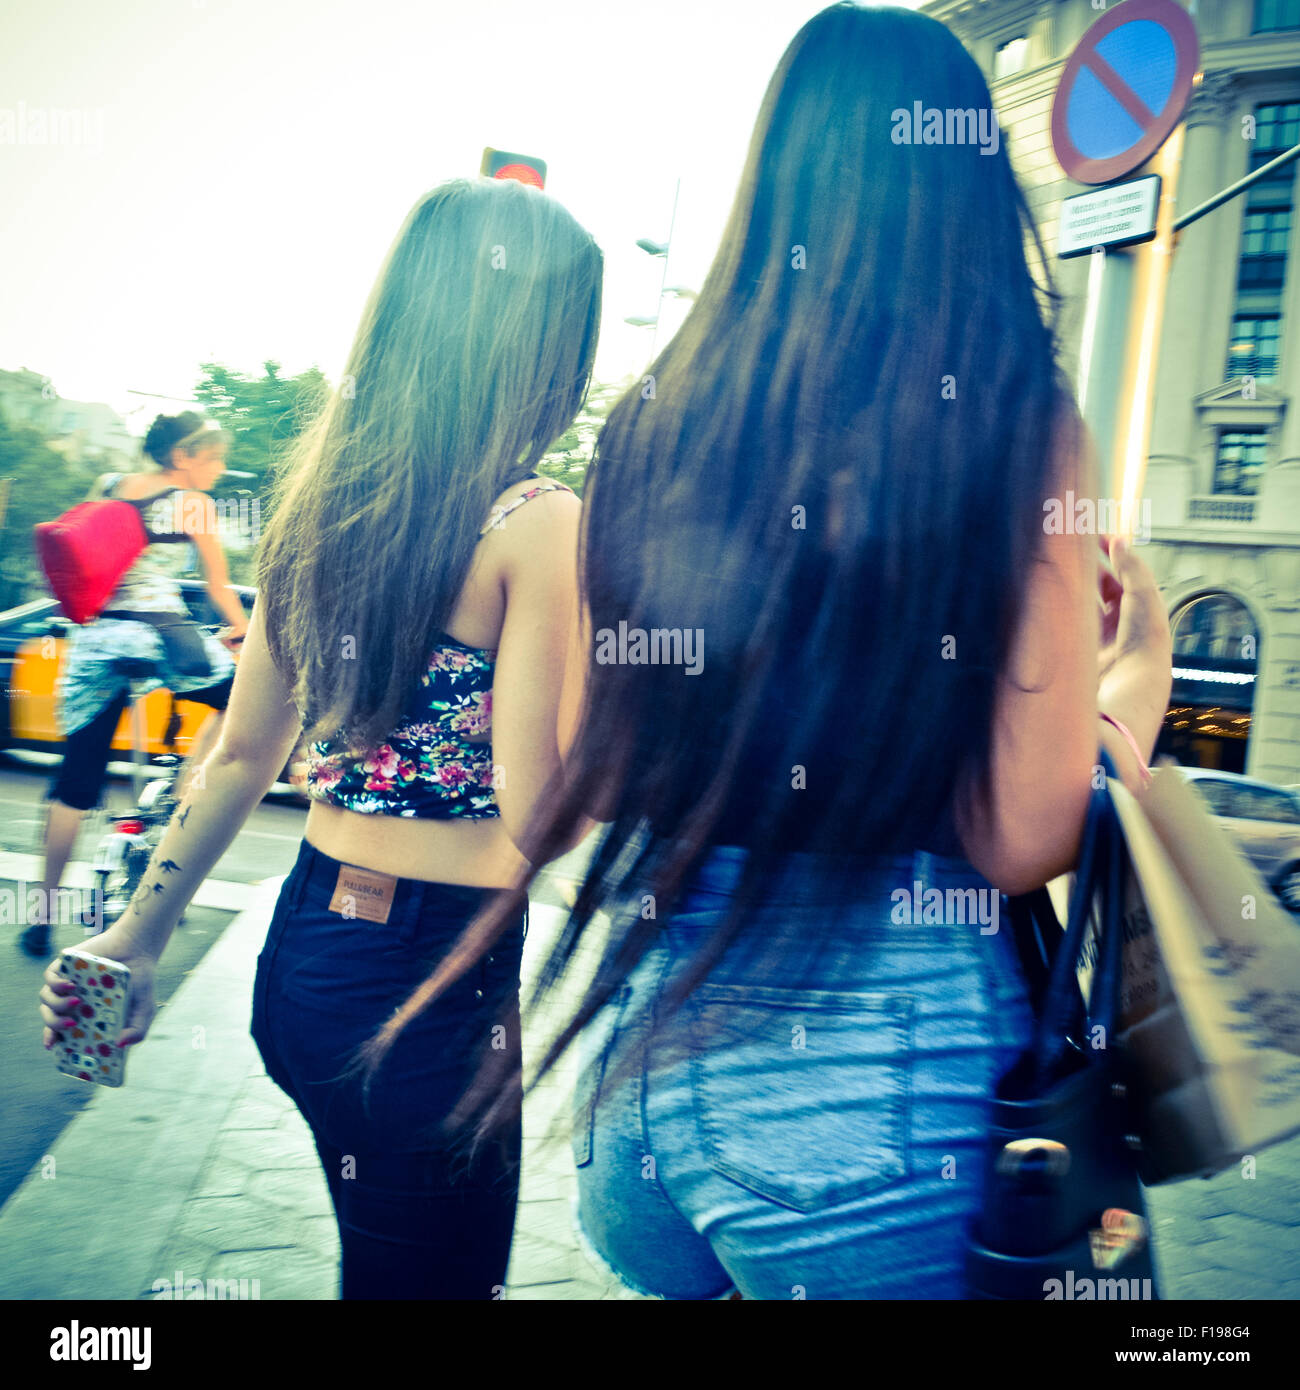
{"points": [[145, 629], [892, 709], [417, 599]]}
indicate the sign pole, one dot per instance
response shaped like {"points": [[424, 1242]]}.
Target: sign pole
{"points": [[1123, 314], [1102, 353], [1119, 100], [1152, 265]]}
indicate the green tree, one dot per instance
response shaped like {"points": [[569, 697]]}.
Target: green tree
{"points": [[263, 414], [36, 484], [568, 461]]}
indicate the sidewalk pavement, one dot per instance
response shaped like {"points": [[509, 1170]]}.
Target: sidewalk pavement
{"points": [[200, 1167]]}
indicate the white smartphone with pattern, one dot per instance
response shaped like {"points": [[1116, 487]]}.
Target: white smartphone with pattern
{"points": [[88, 1049]]}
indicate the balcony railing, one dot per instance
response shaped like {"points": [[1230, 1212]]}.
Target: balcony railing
{"points": [[1221, 508]]}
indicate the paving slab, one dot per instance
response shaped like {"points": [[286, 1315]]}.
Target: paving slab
{"points": [[201, 1168]]}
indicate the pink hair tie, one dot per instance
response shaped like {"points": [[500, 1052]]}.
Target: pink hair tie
{"points": [[1132, 743]]}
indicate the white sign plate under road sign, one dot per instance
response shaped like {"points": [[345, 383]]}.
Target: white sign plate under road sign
{"points": [[1117, 214]]}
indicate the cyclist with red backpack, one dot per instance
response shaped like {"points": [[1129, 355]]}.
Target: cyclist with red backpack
{"points": [[142, 637]]}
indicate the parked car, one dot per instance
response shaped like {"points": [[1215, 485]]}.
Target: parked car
{"points": [[1263, 819], [31, 649]]}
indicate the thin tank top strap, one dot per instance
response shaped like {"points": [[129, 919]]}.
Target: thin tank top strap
{"points": [[497, 516]]}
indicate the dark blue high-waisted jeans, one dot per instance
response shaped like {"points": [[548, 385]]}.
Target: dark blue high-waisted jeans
{"points": [[812, 1122], [419, 1216]]}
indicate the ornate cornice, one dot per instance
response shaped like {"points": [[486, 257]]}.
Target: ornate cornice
{"points": [[1265, 396], [1214, 98], [978, 18], [1227, 406]]}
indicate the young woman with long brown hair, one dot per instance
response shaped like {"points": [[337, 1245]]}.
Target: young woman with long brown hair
{"points": [[417, 598], [837, 488]]}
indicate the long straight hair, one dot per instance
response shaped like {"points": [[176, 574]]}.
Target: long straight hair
{"points": [[838, 479], [473, 355]]}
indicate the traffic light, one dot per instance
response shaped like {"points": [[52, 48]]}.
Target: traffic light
{"points": [[501, 164]]}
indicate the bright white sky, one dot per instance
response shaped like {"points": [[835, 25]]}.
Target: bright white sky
{"points": [[258, 156]]}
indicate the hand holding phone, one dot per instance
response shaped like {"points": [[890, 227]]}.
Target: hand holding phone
{"points": [[87, 1047], [62, 1001]]}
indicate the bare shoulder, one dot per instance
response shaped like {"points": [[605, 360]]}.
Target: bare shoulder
{"points": [[137, 487], [548, 491], [529, 512], [543, 526], [129, 485], [198, 513]]}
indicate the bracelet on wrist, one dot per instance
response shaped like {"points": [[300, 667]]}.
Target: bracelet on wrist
{"points": [[1132, 743]]}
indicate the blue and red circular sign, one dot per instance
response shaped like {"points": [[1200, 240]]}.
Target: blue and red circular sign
{"points": [[1123, 89]]}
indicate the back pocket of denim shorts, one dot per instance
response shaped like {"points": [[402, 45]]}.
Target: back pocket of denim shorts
{"points": [[595, 1044], [801, 1095]]}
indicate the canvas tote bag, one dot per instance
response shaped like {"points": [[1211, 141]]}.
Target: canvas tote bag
{"points": [[1209, 1013]]}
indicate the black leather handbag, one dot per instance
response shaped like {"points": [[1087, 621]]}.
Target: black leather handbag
{"points": [[1063, 1212]]}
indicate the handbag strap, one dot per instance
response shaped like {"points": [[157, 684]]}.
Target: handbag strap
{"points": [[1099, 879], [1059, 1005], [1036, 931], [1107, 982]]}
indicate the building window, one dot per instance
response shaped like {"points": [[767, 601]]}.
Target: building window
{"points": [[1214, 628], [1010, 57], [1277, 129], [1216, 660], [1253, 348], [1264, 240], [1267, 224], [1240, 461], [1276, 14]]}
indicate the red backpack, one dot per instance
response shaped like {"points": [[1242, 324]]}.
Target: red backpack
{"points": [[86, 551]]}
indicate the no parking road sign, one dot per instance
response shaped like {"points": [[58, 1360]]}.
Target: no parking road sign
{"points": [[1123, 89]]}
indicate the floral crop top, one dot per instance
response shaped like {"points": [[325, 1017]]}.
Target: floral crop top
{"points": [[437, 763]]}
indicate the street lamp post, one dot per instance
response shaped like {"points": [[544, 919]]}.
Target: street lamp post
{"points": [[662, 249]]}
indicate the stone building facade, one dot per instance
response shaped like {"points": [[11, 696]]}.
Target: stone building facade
{"points": [[1223, 470]]}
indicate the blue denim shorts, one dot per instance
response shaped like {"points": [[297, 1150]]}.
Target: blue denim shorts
{"points": [[812, 1122]]}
